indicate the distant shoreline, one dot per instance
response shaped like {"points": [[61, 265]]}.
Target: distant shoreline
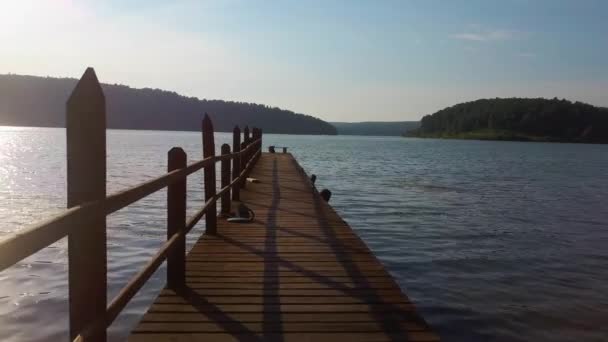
{"points": [[162, 130], [490, 135], [40, 101]]}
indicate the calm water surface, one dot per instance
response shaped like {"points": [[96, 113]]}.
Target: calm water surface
{"points": [[493, 241]]}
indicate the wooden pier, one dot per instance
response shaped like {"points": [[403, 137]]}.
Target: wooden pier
{"points": [[298, 272]]}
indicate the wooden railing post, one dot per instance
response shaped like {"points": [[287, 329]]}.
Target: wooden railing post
{"points": [[236, 165], [225, 180], [209, 151], [246, 135], [257, 144], [261, 138], [86, 173], [254, 136], [247, 139], [258, 136], [245, 158], [176, 221]]}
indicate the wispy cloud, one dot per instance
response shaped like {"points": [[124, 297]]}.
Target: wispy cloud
{"points": [[482, 35]]}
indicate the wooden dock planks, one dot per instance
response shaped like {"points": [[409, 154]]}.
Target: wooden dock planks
{"points": [[297, 273]]}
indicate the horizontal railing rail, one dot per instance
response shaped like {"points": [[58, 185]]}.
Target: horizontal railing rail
{"points": [[49, 231], [85, 222]]}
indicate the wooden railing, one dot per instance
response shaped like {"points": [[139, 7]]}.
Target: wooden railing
{"points": [[84, 223]]}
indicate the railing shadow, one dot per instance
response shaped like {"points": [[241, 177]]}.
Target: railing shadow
{"points": [[272, 318], [222, 319]]}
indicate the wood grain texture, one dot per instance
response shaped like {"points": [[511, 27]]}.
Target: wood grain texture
{"points": [[297, 273]]}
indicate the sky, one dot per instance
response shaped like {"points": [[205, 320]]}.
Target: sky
{"points": [[337, 60]]}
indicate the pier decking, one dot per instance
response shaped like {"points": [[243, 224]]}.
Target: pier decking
{"points": [[297, 273]]}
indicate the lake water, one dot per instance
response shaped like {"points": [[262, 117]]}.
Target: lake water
{"points": [[493, 241]]}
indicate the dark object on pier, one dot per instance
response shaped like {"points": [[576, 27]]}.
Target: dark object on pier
{"points": [[272, 149], [325, 195], [313, 179], [243, 214]]}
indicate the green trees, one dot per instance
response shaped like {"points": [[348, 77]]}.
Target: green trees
{"points": [[519, 119], [40, 101]]}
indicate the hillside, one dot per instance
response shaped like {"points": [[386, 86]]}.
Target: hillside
{"points": [[392, 128], [518, 119], [40, 101]]}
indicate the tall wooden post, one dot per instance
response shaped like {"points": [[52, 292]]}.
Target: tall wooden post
{"points": [[86, 163], [247, 140], [236, 162], [257, 144], [261, 140], [254, 137], [246, 133], [209, 151], [244, 146], [176, 221], [225, 180]]}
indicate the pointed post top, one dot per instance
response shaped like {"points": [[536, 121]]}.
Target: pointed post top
{"points": [[236, 139], [87, 89], [207, 127], [207, 121], [208, 137], [89, 74]]}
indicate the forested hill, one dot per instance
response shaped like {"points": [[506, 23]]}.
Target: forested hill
{"points": [[519, 119], [394, 128], [40, 101]]}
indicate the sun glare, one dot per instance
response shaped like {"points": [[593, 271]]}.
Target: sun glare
{"points": [[19, 16]]}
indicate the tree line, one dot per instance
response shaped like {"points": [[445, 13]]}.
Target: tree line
{"points": [[40, 101], [519, 119]]}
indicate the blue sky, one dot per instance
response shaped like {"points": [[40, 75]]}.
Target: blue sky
{"points": [[338, 60]]}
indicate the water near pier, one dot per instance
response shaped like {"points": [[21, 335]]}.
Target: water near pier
{"points": [[497, 241]]}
